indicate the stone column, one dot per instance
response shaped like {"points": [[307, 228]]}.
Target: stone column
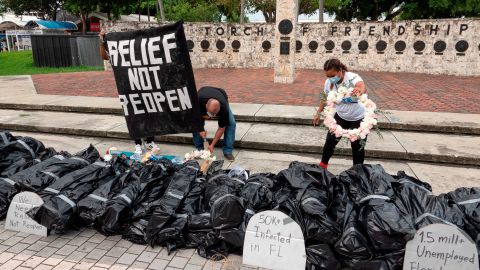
{"points": [[285, 37]]}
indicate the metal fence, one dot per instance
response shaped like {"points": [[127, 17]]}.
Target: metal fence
{"points": [[65, 50]]}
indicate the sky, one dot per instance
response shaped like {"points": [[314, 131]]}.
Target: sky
{"points": [[256, 17]]}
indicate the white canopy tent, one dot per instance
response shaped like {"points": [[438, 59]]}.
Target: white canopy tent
{"points": [[10, 22], [21, 39]]}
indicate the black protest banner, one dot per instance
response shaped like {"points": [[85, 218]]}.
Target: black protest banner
{"points": [[155, 80]]}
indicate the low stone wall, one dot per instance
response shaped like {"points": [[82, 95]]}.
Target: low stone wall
{"points": [[423, 46]]}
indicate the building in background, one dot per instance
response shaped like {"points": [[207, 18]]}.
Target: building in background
{"points": [[20, 39], [9, 21]]}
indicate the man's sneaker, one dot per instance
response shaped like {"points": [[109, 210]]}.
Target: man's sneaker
{"points": [[138, 149], [151, 146], [229, 157]]}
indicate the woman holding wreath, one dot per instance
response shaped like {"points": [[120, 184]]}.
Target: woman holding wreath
{"points": [[349, 112]]}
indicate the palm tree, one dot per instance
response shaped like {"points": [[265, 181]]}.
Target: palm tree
{"points": [[162, 11], [242, 11], [321, 9]]}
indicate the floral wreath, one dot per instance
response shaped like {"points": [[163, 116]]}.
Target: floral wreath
{"points": [[200, 154], [369, 121]]}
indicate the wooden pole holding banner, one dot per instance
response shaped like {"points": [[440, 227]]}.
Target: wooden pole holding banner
{"points": [[206, 163]]}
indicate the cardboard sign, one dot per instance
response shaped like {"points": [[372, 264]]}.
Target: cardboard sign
{"points": [[441, 247], [274, 240], [17, 219], [155, 82]]}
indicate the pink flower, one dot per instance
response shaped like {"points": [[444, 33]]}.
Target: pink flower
{"points": [[370, 104], [329, 120]]}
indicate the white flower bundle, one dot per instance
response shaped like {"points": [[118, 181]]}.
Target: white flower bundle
{"points": [[200, 154]]}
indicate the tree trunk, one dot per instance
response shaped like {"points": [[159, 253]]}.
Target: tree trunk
{"points": [[148, 9], [242, 11], [83, 15], [265, 15], [162, 11], [321, 10], [391, 15], [139, 8], [54, 14], [269, 16]]}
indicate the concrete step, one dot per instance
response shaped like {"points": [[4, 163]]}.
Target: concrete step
{"points": [[398, 145], [263, 113], [443, 178]]}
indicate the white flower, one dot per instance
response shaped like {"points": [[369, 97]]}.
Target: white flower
{"points": [[202, 154], [363, 98]]}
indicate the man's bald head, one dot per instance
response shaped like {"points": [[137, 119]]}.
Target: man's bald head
{"points": [[213, 106]]}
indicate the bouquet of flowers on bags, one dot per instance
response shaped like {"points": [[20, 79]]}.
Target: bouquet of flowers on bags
{"points": [[200, 154]]}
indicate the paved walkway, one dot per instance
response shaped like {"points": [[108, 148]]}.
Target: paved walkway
{"points": [[391, 91]]}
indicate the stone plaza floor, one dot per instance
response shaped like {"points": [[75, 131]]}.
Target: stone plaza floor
{"points": [[87, 249], [391, 91]]}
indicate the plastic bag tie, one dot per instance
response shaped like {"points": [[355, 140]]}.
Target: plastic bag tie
{"points": [[8, 180], [469, 201], [216, 176], [51, 174], [80, 159], [432, 216], [96, 197], [67, 200], [4, 137], [25, 145], [369, 197], [51, 190], [406, 182], [171, 194], [310, 200], [125, 197]]}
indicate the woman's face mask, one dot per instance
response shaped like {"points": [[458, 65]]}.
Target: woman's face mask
{"points": [[335, 79], [333, 76]]}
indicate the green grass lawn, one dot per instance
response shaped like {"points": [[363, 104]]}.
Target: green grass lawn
{"points": [[21, 63]]}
